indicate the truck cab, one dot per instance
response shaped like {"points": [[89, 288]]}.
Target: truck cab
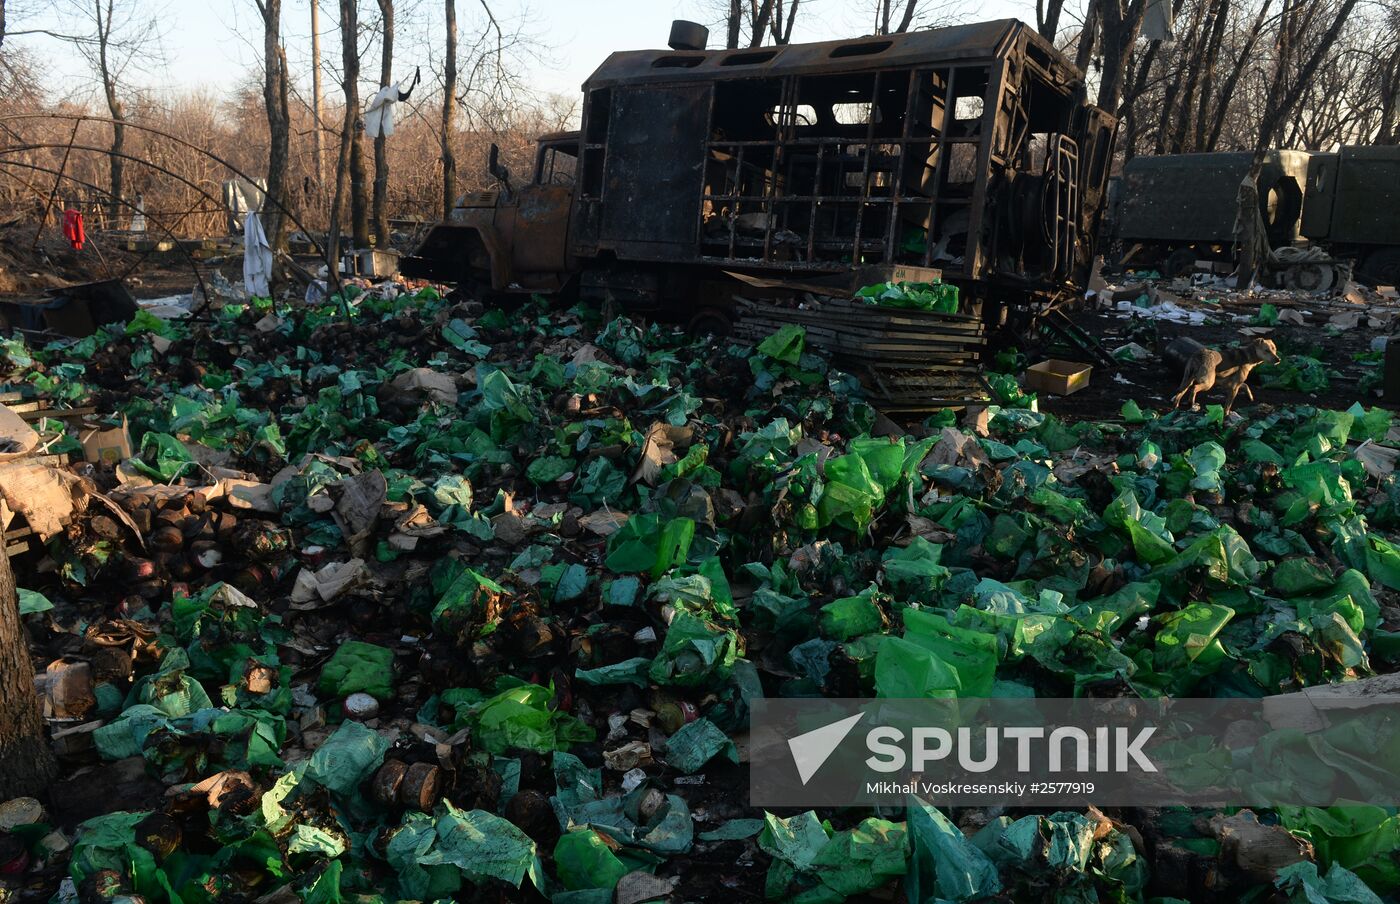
{"points": [[967, 152], [512, 238]]}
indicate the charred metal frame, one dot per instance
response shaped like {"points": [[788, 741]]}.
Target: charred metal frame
{"points": [[827, 196]]}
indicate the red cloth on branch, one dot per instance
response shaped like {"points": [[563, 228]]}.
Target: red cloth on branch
{"points": [[73, 228]]}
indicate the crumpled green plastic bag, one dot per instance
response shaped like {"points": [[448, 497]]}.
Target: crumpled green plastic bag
{"points": [[584, 860], [483, 846], [347, 758], [163, 457], [734, 830], [850, 616], [1304, 885], [170, 690], [972, 655], [126, 736], [359, 667], [1383, 561], [796, 840], [108, 842], [1364, 839], [914, 573], [628, 671], [520, 717], [785, 345], [812, 868], [1186, 648], [862, 859], [669, 830], [904, 669], [650, 543], [696, 743], [695, 652], [944, 865], [31, 602], [1222, 554], [851, 494], [1298, 576], [406, 846]]}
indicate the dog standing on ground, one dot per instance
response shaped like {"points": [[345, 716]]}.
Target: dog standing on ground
{"points": [[1231, 366]]}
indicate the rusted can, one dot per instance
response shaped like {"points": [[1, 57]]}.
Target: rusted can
{"points": [[415, 787]]}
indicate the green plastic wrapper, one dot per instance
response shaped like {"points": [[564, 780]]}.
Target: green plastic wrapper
{"points": [[944, 865], [358, 667], [584, 860], [696, 743], [347, 758]]}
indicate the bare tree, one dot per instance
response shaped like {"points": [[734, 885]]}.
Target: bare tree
{"points": [[26, 763], [886, 23], [381, 153], [278, 122], [1298, 19], [449, 112], [1120, 21], [115, 38], [351, 164], [753, 22], [1047, 17]]}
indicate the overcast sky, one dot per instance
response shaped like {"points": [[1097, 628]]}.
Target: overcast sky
{"points": [[215, 43]]}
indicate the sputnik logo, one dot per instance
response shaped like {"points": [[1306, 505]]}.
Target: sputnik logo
{"points": [[812, 749]]}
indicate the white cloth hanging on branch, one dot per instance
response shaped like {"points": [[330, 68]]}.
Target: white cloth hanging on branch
{"points": [[257, 258], [379, 118]]}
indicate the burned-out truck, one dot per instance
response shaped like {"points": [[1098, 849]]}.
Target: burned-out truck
{"points": [[1341, 209], [696, 173]]}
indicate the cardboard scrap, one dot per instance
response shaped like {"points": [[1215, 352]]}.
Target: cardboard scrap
{"points": [[358, 501], [105, 444], [437, 386], [659, 450], [17, 438], [1260, 851], [312, 589], [1346, 320], [1379, 461], [603, 523], [44, 495]]}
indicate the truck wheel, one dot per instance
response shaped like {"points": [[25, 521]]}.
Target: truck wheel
{"points": [[710, 322], [1179, 263], [1382, 267]]}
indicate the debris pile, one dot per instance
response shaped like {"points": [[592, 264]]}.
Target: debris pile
{"points": [[405, 599]]}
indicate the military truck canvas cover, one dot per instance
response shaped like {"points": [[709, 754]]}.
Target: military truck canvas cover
{"points": [[1191, 197]]}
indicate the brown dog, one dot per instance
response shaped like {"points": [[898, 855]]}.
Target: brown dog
{"points": [[1230, 366]]}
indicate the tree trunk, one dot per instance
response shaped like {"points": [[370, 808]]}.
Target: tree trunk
{"points": [[760, 23], [381, 151], [26, 762], [1210, 59], [1278, 112], [350, 56], [1047, 18], [1191, 49], [116, 161], [278, 126], [1120, 32], [1227, 90], [1088, 36], [449, 113], [732, 25]]}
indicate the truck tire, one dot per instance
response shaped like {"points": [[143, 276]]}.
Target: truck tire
{"points": [[710, 322], [1179, 263], [1382, 267]]}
